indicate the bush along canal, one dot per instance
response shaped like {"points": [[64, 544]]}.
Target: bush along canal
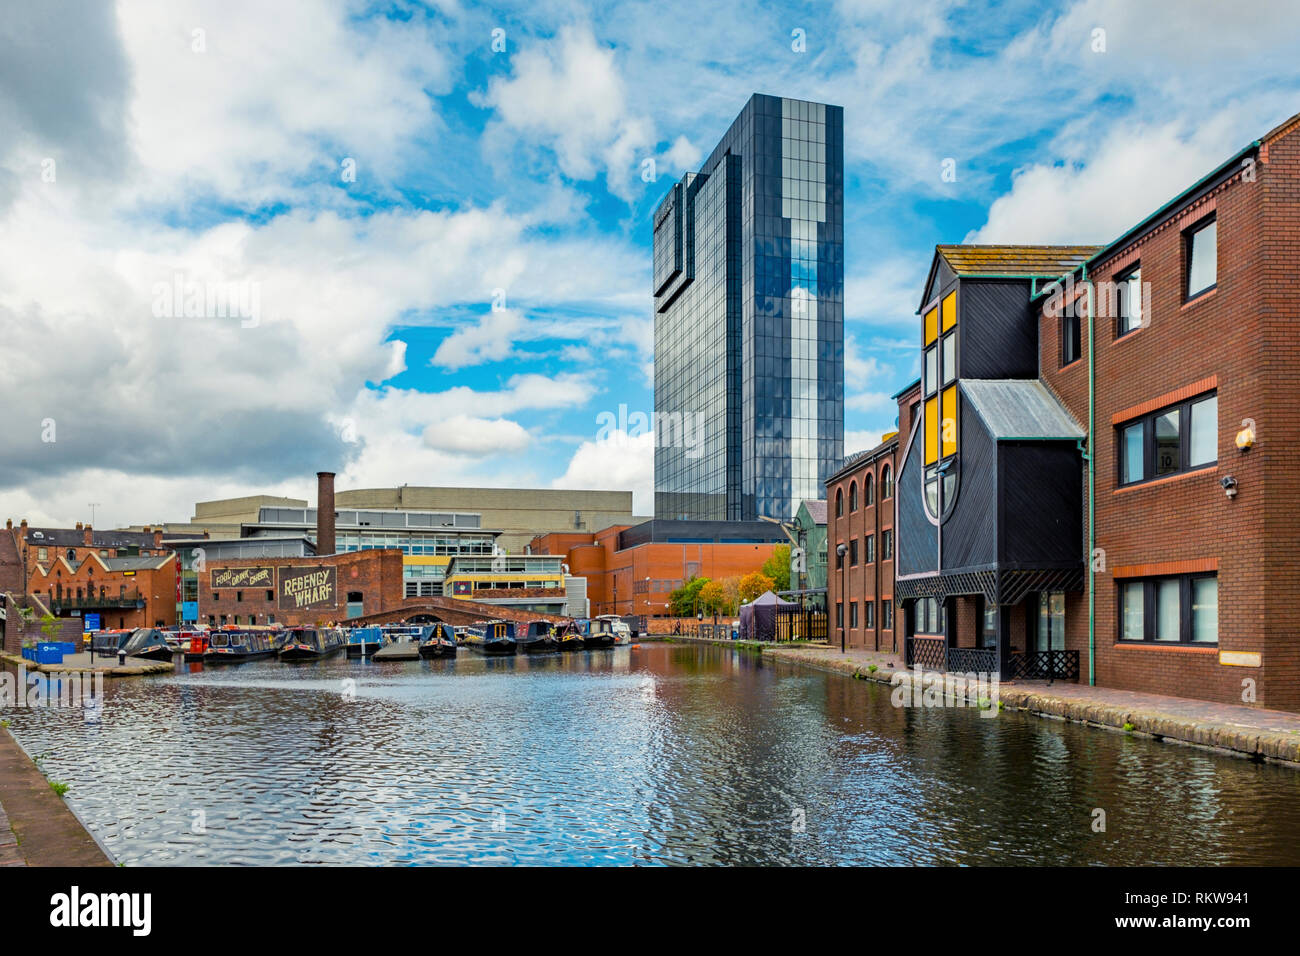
{"points": [[660, 754]]}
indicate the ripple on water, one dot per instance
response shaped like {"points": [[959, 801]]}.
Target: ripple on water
{"points": [[669, 754]]}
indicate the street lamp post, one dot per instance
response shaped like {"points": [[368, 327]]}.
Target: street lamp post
{"points": [[840, 549]]}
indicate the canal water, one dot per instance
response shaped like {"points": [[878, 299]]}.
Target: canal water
{"points": [[661, 754]]}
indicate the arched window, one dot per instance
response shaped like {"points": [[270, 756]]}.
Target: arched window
{"points": [[886, 482], [853, 496], [839, 502], [869, 490]]}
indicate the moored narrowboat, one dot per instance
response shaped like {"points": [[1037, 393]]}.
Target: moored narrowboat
{"points": [[439, 642], [364, 641], [147, 642], [569, 637], [489, 637], [597, 632], [622, 632], [539, 636], [236, 644], [311, 643]]}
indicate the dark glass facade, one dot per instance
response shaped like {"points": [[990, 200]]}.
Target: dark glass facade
{"points": [[749, 318]]}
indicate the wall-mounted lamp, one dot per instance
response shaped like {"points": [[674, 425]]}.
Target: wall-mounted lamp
{"points": [[1246, 437], [1229, 484]]}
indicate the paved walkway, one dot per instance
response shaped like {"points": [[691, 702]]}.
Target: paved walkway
{"points": [[36, 827], [85, 663], [1255, 732], [10, 855]]}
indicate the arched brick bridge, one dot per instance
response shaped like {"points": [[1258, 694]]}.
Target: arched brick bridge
{"points": [[453, 611]]}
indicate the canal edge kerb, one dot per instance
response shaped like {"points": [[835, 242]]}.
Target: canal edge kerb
{"points": [[50, 832], [148, 669], [1246, 743]]}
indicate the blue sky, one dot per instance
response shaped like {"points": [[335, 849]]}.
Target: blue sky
{"points": [[465, 307]]}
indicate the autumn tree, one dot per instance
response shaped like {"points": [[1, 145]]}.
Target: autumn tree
{"points": [[713, 598], [777, 567], [684, 601], [754, 584]]}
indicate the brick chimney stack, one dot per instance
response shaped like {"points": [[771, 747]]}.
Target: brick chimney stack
{"points": [[88, 535], [157, 538], [324, 512]]}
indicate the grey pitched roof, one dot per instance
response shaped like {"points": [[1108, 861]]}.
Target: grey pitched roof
{"points": [[816, 509], [1020, 408], [135, 563]]}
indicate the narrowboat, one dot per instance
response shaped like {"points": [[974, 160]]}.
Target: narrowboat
{"points": [[490, 637], [364, 641], [569, 637], [311, 643], [439, 642], [539, 636], [236, 644], [622, 633], [108, 643], [597, 632], [147, 642], [197, 646]]}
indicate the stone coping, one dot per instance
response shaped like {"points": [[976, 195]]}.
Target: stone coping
{"points": [[1251, 732], [81, 664]]}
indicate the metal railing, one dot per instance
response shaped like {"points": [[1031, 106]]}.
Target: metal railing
{"points": [[1045, 665], [935, 654], [71, 602]]}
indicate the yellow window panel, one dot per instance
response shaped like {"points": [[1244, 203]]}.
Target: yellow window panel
{"points": [[931, 425], [931, 325], [949, 310], [948, 429]]}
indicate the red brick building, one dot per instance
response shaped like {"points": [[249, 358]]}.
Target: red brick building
{"points": [[633, 569], [301, 590], [123, 578], [1102, 480], [860, 542]]}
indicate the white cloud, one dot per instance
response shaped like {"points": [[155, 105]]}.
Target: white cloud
{"points": [[569, 96], [1137, 169], [619, 462], [464, 434], [491, 340], [280, 95], [861, 440]]}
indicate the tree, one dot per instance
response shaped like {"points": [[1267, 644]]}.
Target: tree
{"points": [[754, 584], [713, 598], [685, 600], [777, 567]]}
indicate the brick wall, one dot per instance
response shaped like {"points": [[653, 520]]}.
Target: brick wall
{"points": [[1239, 338], [375, 574], [866, 581]]}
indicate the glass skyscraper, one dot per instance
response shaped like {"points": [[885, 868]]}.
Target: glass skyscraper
{"points": [[749, 318]]}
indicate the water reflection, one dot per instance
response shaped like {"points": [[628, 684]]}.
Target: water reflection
{"points": [[661, 754]]}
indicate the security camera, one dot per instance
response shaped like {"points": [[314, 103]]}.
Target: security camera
{"points": [[1229, 484]]}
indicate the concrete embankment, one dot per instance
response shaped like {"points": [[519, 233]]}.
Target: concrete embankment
{"points": [[82, 663], [1251, 732], [40, 829]]}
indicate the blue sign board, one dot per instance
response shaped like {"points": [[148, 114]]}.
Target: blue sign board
{"points": [[91, 621], [189, 610]]}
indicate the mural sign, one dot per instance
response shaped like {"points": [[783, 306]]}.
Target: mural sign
{"points": [[241, 578], [304, 588]]}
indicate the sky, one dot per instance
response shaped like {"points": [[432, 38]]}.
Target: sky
{"points": [[243, 242]]}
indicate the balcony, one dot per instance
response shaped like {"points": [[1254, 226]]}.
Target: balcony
{"points": [[935, 654], [131, 599]]}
